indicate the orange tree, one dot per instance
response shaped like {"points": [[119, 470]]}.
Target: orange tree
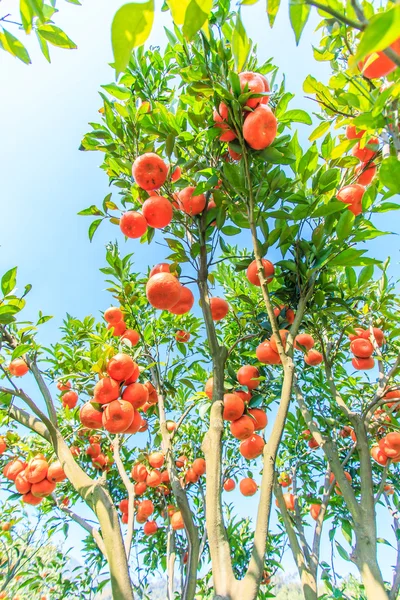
{"points": [[213, 158]]}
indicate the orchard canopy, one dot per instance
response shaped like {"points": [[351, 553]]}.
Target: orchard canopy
{"points": [[236, 408]]}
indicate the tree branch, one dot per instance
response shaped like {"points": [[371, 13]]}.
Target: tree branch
{"points": [[131, 495]]}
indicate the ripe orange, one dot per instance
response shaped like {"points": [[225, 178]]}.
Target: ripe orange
{"points": [[259, 418], [378, 335], [289, 501], [3, 446], [153, 479], [265, 99], [315, 509], [139, 472], [229, 485], [150, 528], [252, 447], [227, 135], [163, 290], [221, 113], [249, 376], [245, 396], [171, 426], [133, 224], [134, 377], [304, 339], [313, 358], [233, 154], [149, 171], [181, 461], [199, 466], [191, 476], [182, 336], [36, 470], [233, 407], [284, 479], [22, 485], [252, 272], [43, 488], [378, 65], [160, 268], [177, 521], [137, 394], [260, 128], [243, 427], [153, 396], [106, 390], [70, 399], [131, 335], [156, 459], [312, 444], [363, 364], [90, 417], [368, 152], [140, 488], [219, 308], [283, 333], [118, 416], [29, 498], [359, 333], [94, 450], [248, 486], [352, 195], [146, 507], [252, 82], [352, 133], [176, 174], [361, 348], [189, 204], [136, 424], [120, 367], [117, 329], [56, 472], [64, 386], [157, 211], [365, 172], [113, 315], [379, 456], [209, 387], [266, 354], [165, 477], [18, 367], [123, 505], [184, 303]]}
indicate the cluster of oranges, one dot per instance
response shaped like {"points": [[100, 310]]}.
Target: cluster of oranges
{"points": [[36, 479], [152, 476], [267, 351], [362, 347], [260, 124]]}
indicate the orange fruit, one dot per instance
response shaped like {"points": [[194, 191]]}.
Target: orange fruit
{"points": [[149, 171], [133, 224], [233, 407], [184, 303], [118, 416], [252, 272], [163, 291], [260, 128], [106, 390], [252, 82], [190, 204], [113, 315], [248, 486], [18, 367], [252, 447], [243, 427], [259, 418], [157, 211], [352, 195], [313, 358], [229, 485], [249, 376], [120, 367], [266, 354], [219, 308]]}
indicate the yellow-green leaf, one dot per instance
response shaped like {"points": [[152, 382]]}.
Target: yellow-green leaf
{"points": [[298, 12], [196, 16], [130, 28], [56, 36], [272, 10], [319, 131], [178, 10], [12, 45], [382, 30], [241, 44]]}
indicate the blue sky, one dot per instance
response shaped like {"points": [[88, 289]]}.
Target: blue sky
{"points": [[45, 180]]}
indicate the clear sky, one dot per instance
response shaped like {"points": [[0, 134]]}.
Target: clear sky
{"points": [[45, 180]]}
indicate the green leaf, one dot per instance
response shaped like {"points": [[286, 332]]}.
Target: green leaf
{"points": [[328, 209], [93, 228], [130, 28], [319, 131], [381, 31], [241, 44], [12, 45], [365, 275], [298, 12], [272, 10], [43, 46], [20, 350], [178, 10], [351, 277], [91, 211], [329, 180], [298, 116], [196, 16], [8, 281], [342, 551], [389, 174], [347, 531], [27, 14], [118, 91], [345, 225], [55, 36], [230, 230]]}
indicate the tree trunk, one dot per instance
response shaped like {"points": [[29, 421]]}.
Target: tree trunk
{"points": [[121, 584], [367, 563]]}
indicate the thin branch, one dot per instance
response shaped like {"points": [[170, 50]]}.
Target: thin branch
{"points": [[131, 495], [336, 15]]}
